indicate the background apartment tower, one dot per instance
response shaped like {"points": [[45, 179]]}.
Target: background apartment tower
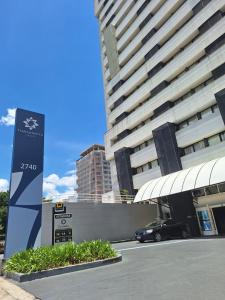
{"points": [[93, 172], [164, 79]]}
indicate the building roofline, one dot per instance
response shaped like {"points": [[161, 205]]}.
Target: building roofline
{"points": [[92, 148]]}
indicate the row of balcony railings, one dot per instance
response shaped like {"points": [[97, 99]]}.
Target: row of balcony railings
{"points": [[90, 198]]}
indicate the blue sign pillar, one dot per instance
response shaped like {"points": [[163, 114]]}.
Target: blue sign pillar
{"points": [[25, 204]]}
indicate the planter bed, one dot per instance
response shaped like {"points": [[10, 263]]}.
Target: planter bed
{"points": [[62, 270], [59, 259]]}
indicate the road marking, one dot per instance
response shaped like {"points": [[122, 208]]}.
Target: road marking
{"points": [[152, 245], [165, 243], [170, 243]]}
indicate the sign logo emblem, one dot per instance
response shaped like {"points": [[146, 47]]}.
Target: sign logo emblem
{"points": [[31, 123]]}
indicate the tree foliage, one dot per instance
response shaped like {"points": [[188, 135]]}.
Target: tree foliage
{"points": [[4, 198]]}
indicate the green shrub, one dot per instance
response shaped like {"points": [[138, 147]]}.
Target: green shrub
{"points": [[49, 257]]}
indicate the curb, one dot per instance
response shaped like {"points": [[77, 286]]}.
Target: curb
{"points": [[8, 290], [62, 270]]}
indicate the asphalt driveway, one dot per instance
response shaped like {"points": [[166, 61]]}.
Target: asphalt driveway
{"points": [[169, 270]]}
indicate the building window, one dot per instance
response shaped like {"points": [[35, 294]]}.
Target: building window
{"points": [[201, 115], [192, 120], [143, 145], [188, 150], [215, 108], [139, 170], [214, 140], [206, 112], [136, 149], [211, 141], [145, 167], [154, 163], [182, 125], [222, 136], [148, 166], [198, 146]]}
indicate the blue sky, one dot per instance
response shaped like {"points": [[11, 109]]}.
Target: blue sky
{"points": [[50, 63]]}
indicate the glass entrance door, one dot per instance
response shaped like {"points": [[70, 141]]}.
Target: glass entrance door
{"points": [[206, 221]]}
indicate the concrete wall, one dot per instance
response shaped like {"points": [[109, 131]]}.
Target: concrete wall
{"points": [[91, 221]]}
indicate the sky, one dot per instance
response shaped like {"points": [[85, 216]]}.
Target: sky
{"points": [[50, 63]]}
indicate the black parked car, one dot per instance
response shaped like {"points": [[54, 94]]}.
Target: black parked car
{"points": [[161, 230]]}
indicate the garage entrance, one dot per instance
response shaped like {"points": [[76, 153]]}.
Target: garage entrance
{"points": [[219, 216]]}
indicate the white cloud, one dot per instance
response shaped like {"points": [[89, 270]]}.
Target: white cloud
{"points": [[9, 119], [71, 172], [4, 185], [55, 186]]}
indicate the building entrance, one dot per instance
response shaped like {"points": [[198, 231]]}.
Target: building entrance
{"points": [[205, 219], [219, 216]]}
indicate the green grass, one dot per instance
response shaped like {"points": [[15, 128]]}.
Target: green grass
{"points": [[50, 257]]}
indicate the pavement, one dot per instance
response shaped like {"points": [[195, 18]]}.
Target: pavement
{"points": [[169, 270], [9, 291]]}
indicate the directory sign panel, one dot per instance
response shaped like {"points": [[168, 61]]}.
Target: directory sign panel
{"points": [[62, 228], [25, 204]]}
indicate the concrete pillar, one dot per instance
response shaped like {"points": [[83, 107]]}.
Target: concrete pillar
{"points": [[181, 205], [124, 170]]}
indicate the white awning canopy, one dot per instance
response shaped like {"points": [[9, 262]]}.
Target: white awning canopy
{"points": [[209, 173]]}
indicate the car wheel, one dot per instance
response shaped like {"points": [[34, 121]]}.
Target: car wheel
{"points": [[157, 237], [184, 234], [141, 241]]}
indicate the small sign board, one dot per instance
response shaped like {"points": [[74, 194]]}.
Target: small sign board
{"points": [[62, 228], [59, 207]]}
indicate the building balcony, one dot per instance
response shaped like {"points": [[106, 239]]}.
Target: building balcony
{"points": [[102, 13], [203, 155], [127, 21], [161, 15], [177, 114], [143, 156], [142, 178], [177, 41], [184, 59], [200, 129], [173, 22], [188, 80]]}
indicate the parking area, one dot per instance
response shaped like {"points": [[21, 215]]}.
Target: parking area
{"points": [[169, 270]]}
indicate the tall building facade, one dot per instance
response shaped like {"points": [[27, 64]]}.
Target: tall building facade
{"points": [[93, 172], [163, 65], [164, 77]]}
